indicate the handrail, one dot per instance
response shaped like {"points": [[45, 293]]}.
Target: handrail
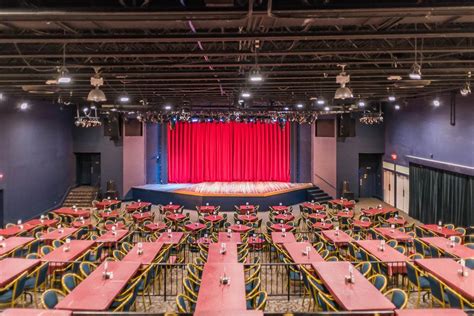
{"points": [[325, 181]]}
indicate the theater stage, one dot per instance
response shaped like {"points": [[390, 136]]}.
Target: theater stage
{"points": [[226, 194]]}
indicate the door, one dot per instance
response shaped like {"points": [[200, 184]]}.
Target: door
{"points": [[370, 178], [88, 169], [403, 191], [388, 187]]}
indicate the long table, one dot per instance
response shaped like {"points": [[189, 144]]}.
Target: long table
{"points": [[394, 234], [60, 257], [396, 261], [296, 249], [59, 234], [430, 312], [281, 238], [340, 238], [150, 252], [358, 296], [440, 231], [34, 312], [221, 299], [96, 293], [446, 270], [442, 243], [13, 243], [215, 256], [10, 268]]}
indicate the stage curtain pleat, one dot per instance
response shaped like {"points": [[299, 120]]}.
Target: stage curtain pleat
{"points": [[234, 151]]}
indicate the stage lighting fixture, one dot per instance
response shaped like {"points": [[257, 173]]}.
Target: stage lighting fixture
{"points": [[64, 77], [327, 108], [436, 102], [465, 90], [361, 103], [167, 107], [24, 106], [124, 98], [245, 94], [255, 75], [286, 108], [392, 98], [321, 101], [300, 105], [415, 72], [397, 107]]}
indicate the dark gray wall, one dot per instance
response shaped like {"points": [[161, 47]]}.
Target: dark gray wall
{"points": [[35, 158], [300, 160], [151, 153], [92, 140], [369, 139], [420, 129]]}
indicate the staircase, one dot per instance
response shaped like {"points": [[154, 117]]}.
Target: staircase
{"points": [[318, 195], [81, 196]]}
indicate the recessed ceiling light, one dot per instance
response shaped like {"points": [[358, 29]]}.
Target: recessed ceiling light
{"points": [[168, 107], [361, 103], [320, 101], [245, 94], [124, 98], [397, 107], [286, 108], [300, 105], [255, 76], [391, 98], [436, 102], [326, 108], [24, 106]]}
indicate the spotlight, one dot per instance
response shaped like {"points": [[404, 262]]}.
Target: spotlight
{"points": [[255, 76], [326, 108], [85, 109], [436, 102], [24, 106], [167, 107], [361, 103], [245, 94], [415, 72], [392, 98], [320, 101], [113, 110], [64, 77], [124, 98], [300, 105], [286, 108], [397, 107]]}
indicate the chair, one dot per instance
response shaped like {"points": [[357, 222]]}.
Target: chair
{"points": [[86, 268], [392, 243], [455, 300], [469, 245], [50, 298], [326, 302], [331, 258], [258, 300], [461, 230], [191, 287], [449, 226], [185, 304], [437, 291], [118, 255], [45, 250], [32, 256], [470, 263], [69, 281], [364, 268], [415, 256], [398, 297], [57, 243], [36, 279], [401, 249], [126, 246], [417, 280], [13, 291], [379, 281], [435, 252]]}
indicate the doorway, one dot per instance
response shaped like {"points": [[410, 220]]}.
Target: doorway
{"points": [[88, 169], [370, 175]]}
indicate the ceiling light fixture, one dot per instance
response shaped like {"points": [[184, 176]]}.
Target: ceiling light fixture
{"points": [[124, 98], [415, 72], [24, 106], [255, 75], [96, 95], [397, 107], [326, 108], [361, 103], [465, 90], [245, 94], [392, 98], [300, 105], [64, 77], [321, 101], [167, 107], [286, 108], [343, 92], [436, 102]]}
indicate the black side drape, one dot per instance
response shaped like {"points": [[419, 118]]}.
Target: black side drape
{"points": [[438, 195]]}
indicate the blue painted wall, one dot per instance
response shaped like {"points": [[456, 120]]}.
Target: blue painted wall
{"points": [[300, 159], [92, 140], [151, 153], [420, 129], [35, 157]]}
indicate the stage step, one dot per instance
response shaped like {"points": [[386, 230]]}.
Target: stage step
{"points": [[81, 196], [318, 195]]}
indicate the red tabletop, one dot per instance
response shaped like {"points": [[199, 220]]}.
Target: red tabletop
{"points": [[213, 218], [322, 226], [226, 237], [59, 256], [106, 204], [110, 237], [204, 240], [317, 216], [377, 211], [42, 222], [207, 209], [255, 242], [135, 206], [394, 259], [280, 227], [281, 238], [57, 234], [297, 252], [69, 211], [170, 238], [215, 255], [393, 234], [156, 226], [344, 203], [247, 207], [349, 214], [10, 268], [362, 224], [314, 207], [194, 226], [110, 214], [34, 312], [176, 217], [13, 243], [240, 228], [96, 293], [430, 312], [247, 218], [339, 238], [284, 217], [17, 229], [118, 225], [142, 216], [280, 208], [150, 252], [218, 298], [444, 244], [171, 207], [396, 221], [80, 224], [446, 270], [441, 231], [351, 296], [238, 312]]}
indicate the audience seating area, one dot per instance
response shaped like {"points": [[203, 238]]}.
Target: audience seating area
{"points": [[306, 258]]}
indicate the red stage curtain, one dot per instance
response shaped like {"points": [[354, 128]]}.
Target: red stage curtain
{"points": [[199, 152]]}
